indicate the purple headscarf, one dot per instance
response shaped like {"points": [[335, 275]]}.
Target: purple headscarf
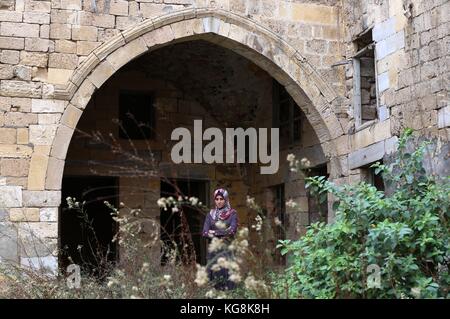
{"points": [[224, 212]]}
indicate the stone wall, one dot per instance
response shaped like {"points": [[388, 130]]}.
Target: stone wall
{"points": [[55, 54]]}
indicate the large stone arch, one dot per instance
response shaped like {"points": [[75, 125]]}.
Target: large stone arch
{"points": [[238, 33]]}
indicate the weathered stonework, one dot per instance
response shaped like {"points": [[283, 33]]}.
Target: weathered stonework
{"points": [[55, 55]]}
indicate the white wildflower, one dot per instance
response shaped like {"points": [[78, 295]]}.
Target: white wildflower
{"points": [[415, 291], [250, 201], [252, 284], [210, 294], [291, 203], [243, 243], [243, 232], [162, 203], [277, 221], [215, 267], [259, 223], [201, 277], [221, 225], [215, 245], [235, 278], [305, 162], [290, 158], [194, 201]]}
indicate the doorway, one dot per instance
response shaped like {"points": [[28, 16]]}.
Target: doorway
{"points": [[86, 235], [182, 230]]}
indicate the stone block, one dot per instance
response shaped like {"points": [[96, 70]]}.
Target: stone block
{"points": [[83, 94], [8, 242], [123, 23], [14, 167], [25, 30], [12, 43], [10, 16], [47, 106], [370, 135], [103, 21], [37, 6], [366, 155], [10, 196], [6, 72], [49, 214], [22, 136], [19, 119], [86, 47], [390, 45], [34, 247], [126, 53], [158, 36], [55, 172], [47, 263], [102, 73], [384, 29], [383, 81], [38, 231], [63, 61], [62, 142], [38, 168], [42, 134], [40, 45], [41, 198], [119, 7], [4, 215], [86, 33], [308, 13], [65, 46], [71, 116], [60, 31], [24, 214], [69, 17], [34, 59], [36, 17], [52, 118], [23, 72], [59, 76], [10, 57], [12, 150], [444, 117], [71, 4]]}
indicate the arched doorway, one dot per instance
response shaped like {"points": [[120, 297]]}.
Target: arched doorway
{"points": [[241, 35]]}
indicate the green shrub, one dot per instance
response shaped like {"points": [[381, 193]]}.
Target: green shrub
{"points": [[379, 246]]}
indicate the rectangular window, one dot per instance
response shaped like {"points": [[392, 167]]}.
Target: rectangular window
{"points": [[317, 211], [372, 178], [136, 115], [287, 116], [279, 213], [364, 80]]}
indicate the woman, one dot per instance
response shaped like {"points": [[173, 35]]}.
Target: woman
{"points": [[221, 222]]}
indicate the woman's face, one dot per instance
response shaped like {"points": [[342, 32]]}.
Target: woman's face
{"points": [[220, 201]]}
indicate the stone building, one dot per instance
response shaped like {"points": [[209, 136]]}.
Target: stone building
{"points": [[340, 78]]}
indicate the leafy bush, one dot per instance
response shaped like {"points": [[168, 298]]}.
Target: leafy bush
{"points": [[379, 246]]}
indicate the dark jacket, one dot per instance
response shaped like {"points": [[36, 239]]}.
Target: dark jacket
{"points": [[230, 229]]}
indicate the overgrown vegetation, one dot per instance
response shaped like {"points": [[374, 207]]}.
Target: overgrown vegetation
{"points": [[379, 246]]}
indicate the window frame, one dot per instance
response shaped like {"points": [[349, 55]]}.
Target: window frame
{"points": [[356, 63], [277, 102], [152, 122]]}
